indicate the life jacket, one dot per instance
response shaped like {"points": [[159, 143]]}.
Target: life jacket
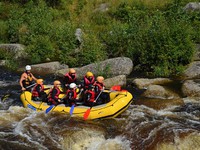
{"points": [[29, 78], [71, 94], [57, 94], [98, 86], [87, 82], [92, 98], [71, 80], [35, 93]]}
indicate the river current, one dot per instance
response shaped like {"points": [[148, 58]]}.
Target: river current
{"points": [[148, 124]]}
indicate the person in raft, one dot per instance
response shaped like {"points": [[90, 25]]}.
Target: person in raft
{"points": [[103, 97], [26, 78], [53, 98], [70, 77], [71, 95], [99, 85], [38, 93], [88, 79], [90, 96]]}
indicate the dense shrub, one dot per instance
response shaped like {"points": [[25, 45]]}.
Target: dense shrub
{"points": [[159, 36], [157, 42]]}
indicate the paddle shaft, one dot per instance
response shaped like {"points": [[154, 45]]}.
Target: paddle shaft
{"points": [[30, 86]]}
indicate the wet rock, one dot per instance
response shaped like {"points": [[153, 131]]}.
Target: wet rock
{"points": [[117, 80], [157, 91], [143, 83], [8, 83], [193, 71], [191, 88]]}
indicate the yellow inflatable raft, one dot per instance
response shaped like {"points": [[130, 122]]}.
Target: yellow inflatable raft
{"points": [[119, 102]]}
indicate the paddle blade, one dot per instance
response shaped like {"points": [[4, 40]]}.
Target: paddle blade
{"points": [[31, 107], [86, 114], [3, 98], [49, 108], [72, 109], [116, 88], [124, 90]]}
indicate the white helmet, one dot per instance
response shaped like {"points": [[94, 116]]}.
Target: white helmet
{"points": [[28, 67], [72, 85]]}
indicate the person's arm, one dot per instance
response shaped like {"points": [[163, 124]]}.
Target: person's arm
{"points": [[34, 78], [23, 76]]}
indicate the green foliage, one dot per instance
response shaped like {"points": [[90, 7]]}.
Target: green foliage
{"points": [[3, 32], [37, 29], [99, 18], [92, 50], [159, 36], [9, 61], [159, 42], [41, 49]]}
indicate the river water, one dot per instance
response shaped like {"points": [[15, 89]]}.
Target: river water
{"points": [[148, 124]]}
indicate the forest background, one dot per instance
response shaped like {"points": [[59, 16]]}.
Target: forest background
{"points": [[158, 36]]}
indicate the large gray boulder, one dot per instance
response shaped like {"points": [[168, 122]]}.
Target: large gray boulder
{"points": [[192, 6], [161, 92], [197, 54], [193, 70], [110, 67], [117, 80], [191, 88], [17, 51], [45, 68], [144, 83]]}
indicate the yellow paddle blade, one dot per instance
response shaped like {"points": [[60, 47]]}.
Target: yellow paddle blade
{"points": [[3, 98]]}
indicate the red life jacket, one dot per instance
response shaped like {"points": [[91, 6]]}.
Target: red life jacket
{"points": [[92, 98], [99, 85], [88, 82], [35, 93], [71, 80], [57, 94], [74, 95]]}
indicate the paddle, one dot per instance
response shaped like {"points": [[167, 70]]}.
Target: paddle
{"points": [[72, 109], [4, 97], [87, 113], [31, 107], [49, 108], [30, 86]]}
